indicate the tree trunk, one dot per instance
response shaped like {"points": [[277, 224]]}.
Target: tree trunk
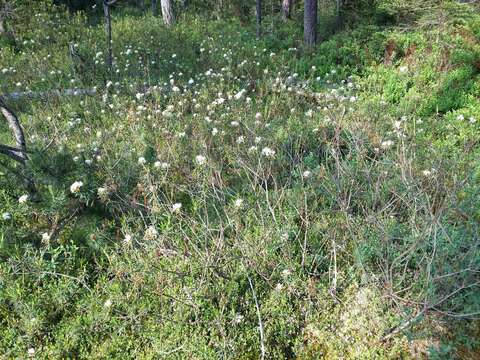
{"points": [[310, 22], [286, 8], [258, 14], [167, 12], [339, 19], [5, 32], [108, 30], [154, 8]]}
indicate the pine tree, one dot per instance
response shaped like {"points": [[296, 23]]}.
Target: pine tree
{"points": [[310, 22]]}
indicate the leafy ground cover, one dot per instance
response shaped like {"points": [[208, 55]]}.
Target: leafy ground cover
{"points": [[223, 197]]}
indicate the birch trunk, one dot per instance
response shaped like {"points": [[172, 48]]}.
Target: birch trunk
{"points": [[286, 9], [108, 30], [167, 12]]}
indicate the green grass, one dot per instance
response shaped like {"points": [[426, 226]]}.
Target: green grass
{"points": [[337, 200]]}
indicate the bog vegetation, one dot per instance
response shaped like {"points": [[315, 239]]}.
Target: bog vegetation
{"points": [[217, 194]]}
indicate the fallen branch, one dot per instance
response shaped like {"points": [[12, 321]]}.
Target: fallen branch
{"points": [[12, 152], [426, 308], [46, 94], [18, 153]]}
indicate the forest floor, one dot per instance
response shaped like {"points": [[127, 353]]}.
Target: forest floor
{"points": [[222, 196]]}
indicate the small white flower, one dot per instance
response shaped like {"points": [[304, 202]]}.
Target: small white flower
{"points": [[427, 172], [472, 120], [23, 199], [286, 272], [214, 131], [176, 207], [252, 149], [238, 318], [46, 237], [460, 117], [151, 233], [200, 159], [102, 191], [307, 173], [240, 140], [75, 187], [127, 239], [31, 351], [6, 216], [240, 94], [386, 144], [267, 152], [238, 203], [403, 69], [234, 123], [258, 116], [141, 160], [107, 303]]}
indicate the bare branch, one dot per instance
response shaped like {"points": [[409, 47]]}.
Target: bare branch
{"points": [[11, 152], [260, 323], [49, 93], [14, 125]]}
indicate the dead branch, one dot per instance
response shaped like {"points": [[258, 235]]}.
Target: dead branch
{"points": [[49, 93], [20, 152]]}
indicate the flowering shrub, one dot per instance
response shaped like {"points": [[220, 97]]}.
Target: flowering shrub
{"points": [[216, 185]]}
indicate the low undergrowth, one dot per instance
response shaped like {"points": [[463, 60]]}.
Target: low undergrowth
{"points": [[226, 197]]}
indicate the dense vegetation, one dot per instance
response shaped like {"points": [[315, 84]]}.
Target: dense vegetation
{"points": [[222, 196]]}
